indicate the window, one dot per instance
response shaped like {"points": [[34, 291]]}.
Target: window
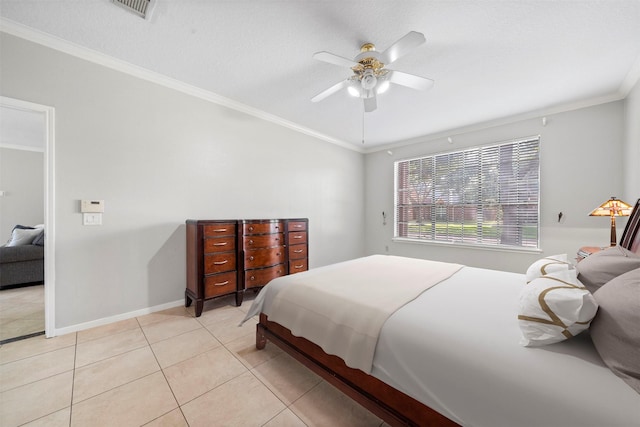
{"points": [[482, 196]]}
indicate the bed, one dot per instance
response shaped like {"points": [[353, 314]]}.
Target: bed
{"points": [[452, 354]]}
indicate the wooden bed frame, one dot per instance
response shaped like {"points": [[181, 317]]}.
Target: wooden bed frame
{"points": [[393, 406]]}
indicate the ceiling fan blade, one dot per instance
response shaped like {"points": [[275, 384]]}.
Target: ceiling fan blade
{"points": [[370, 104], [333, 89], [403, 46], [334, 59], [409, 80]]}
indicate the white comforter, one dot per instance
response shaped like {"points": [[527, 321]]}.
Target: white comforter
{"points": [[456, 349], [342, 307]]}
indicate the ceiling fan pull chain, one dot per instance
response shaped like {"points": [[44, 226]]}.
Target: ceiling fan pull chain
{"points": [[363, 125]]}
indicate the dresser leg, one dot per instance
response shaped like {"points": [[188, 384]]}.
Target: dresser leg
{"points": [[239, 296], [187, 299], [199, 307]]}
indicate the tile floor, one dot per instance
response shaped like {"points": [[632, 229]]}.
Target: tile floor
{"points": [[166, 369], [21, 311]]}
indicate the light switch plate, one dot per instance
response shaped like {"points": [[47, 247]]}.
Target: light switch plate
{"points": [[91, 219]]}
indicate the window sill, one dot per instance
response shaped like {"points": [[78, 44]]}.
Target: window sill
{"points": [[511, 249]]}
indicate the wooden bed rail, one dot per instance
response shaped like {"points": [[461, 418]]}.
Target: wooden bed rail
{"points": [[393, 406]]}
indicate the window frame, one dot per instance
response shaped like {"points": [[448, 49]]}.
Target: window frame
{"points": [[533, 244]]}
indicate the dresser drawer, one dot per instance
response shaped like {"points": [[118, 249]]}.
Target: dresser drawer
{"points": [[219, 262], [262, 276], [297, 237], [262, 227], [220, 284], [254, 258], [298, 266], [263, 240], [297, 251], [222, 229], [219, 244], [296, 226]]}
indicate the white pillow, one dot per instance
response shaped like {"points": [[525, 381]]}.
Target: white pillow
{"points": [[23, 236], [546, 265], [554, 308]]}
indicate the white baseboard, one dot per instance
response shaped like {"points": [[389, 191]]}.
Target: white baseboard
{"points": [[116, 318]]}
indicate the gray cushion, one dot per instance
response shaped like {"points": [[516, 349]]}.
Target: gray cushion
{"points": [[599, 268], [20, 253], [615, 330], [39, 240]]}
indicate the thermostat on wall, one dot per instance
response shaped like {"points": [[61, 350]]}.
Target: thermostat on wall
{"points": [[92, 206]]}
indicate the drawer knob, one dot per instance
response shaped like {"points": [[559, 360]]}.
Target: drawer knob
{"points": [[297, 237], [220, 230], [220, 244], [251, 228], [251, 242], [297, 226], [297, 251], [298, 266], [221, 262], [251, 258], [226, 282], [253, 277]]}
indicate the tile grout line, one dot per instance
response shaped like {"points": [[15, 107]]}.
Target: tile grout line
{"points": [[249, 367], [251, 371], [73, 370], [36, 355], [277, 397], [73, 379], [40, 379], [164, 376]]}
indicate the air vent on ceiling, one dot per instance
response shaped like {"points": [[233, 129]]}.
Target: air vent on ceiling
{"points": [[139, 7]]}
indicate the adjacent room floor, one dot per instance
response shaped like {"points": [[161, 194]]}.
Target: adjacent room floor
{"points": [[167, 369], [21, 311]]}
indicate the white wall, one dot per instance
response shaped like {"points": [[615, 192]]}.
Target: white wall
{"points": [[22, 180], [632, 146], [158, 157], [581, 154]]}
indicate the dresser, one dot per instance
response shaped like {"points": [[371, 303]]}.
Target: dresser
{"points": [[297, 245], [232, 256], [212, 261], [263, 252]]}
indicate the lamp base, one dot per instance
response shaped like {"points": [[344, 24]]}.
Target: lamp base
{"points": [[613, 231]]}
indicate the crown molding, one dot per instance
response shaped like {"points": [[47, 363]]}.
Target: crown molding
{"points": [[56, 43], [577, 105]]}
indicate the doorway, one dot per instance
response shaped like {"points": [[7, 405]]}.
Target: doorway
{"points": [[28, 135]]}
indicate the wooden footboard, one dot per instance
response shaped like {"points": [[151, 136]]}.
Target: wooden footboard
{"points": [[393, 406]]}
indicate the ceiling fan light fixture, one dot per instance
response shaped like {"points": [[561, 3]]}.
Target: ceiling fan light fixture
{"points": [[370, 77], [354, 89], [383, 86], [369, 80]]}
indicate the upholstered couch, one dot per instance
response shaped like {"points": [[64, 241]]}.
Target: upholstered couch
{"points": [[22, 263]]}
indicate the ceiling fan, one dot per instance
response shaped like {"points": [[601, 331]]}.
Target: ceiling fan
{"points": [[370, 77]]}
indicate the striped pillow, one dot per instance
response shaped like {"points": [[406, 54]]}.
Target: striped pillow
{"points": [[554, 308]]}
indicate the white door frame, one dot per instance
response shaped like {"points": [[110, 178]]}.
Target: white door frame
{"points": [[49, 206]]}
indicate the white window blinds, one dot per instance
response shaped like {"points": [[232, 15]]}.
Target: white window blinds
{"points": [[484, 196]]}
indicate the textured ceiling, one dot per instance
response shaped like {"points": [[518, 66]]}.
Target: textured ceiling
{"points": [[490, 59]]}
